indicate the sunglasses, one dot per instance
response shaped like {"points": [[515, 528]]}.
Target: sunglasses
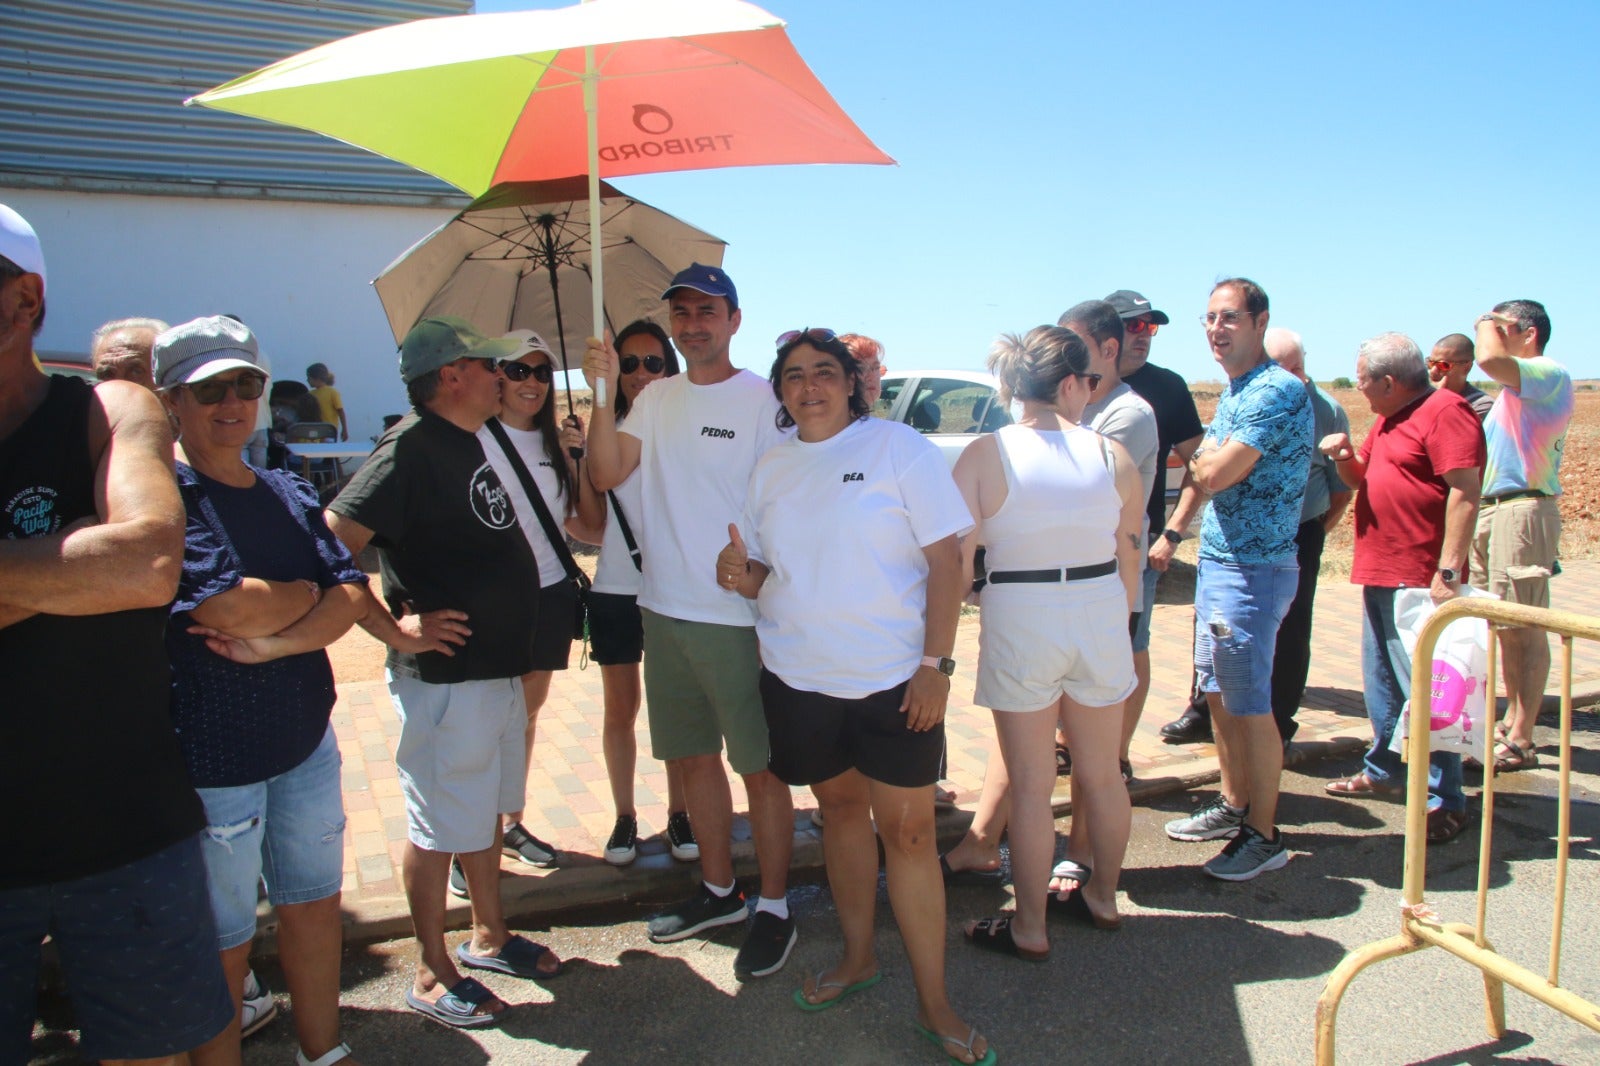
{"points": [[1140, 326], [523, 371], [211, 391], [1093, 380], [655, 364], [816, 333]]}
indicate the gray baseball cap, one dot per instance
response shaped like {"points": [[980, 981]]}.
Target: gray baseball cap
{"points": [[442, 339], [203, 348], [1130, 304]]}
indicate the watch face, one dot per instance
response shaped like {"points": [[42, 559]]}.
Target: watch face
{"points": [[947, 667]]}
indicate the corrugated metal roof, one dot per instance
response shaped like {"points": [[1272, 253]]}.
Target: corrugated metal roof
{"points": [[93, 93]]}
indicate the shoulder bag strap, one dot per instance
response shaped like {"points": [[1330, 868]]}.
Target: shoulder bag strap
{"points": [[627, 533], [557, 541]]}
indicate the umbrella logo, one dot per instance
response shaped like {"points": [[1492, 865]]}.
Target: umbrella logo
{"points": [[652, 119]]}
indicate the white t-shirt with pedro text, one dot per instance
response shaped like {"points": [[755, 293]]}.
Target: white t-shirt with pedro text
{"points": [[698, 445], [842, 525]]}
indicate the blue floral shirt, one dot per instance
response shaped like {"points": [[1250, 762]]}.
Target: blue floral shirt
{"points": [[1254, 521]]}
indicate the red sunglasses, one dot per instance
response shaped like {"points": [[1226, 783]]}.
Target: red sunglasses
{"points": [[1139, 326]]}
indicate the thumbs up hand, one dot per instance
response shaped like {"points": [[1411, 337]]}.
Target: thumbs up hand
{"points": [[733, 562]]}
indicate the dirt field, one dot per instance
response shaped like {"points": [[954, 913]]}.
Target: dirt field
{"points": [[357, 657]]}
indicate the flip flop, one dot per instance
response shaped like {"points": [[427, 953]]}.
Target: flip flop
{"points": [[1077, 908], [994, 934], [970, 878], [518, 957], [805, 1004], [455, 1008], [1071, 868], [1509, 756], [989, 1057]]}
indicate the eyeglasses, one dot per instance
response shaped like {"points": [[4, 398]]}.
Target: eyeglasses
{"points": [[211, 390], [652, 363], [1093, 379], [515, 371], [816, 333], [1140, 326], [1225, 319]]}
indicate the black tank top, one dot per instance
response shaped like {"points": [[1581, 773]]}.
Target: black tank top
{"points": [[87, 750]]}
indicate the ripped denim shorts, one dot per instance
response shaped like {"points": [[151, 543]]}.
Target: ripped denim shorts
{"points": [[1237, 611], [287, 831]]}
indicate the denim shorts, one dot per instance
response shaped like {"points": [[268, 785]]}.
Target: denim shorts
{"points": [[1237, 611], [1147, 598], [287, 831], [461, 759], [139, 952]]}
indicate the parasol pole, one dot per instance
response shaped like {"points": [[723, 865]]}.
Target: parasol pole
{"points": [[591, 111]]}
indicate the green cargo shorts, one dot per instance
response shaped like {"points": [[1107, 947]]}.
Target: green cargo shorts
{"points": [[702, 686]]}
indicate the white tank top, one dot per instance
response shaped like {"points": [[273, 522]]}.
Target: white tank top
{"points": [[1061, 506]]}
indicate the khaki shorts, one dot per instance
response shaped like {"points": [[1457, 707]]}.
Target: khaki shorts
{"points": [[702, 686], [1515, 547]]}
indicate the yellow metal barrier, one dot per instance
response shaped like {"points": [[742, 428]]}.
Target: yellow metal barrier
{"points": [[1419, 926]]}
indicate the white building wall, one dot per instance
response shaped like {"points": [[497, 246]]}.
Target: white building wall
{"points": [[298, 273]]}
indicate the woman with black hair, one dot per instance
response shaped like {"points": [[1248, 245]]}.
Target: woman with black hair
{"points": [[527, 422], [616, 631], [855, 699]]}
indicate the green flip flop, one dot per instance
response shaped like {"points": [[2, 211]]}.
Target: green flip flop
{"points": [[805, 1004], [989, 1057]]}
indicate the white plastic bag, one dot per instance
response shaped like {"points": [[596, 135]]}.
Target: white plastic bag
{"points": [[1460, 674]]}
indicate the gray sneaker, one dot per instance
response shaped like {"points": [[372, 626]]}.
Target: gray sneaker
{"points": [[1214, 821], [1247, 855]]}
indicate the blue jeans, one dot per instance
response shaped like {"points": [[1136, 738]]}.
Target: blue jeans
{"points": [[1386, 674], [287, 831], [1237, 611]]}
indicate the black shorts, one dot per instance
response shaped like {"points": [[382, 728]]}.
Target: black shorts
{"points": [[1133, 624], [815, 737], [616, 632], [552, 634]]}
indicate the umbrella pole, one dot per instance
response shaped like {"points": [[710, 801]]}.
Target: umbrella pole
{"points": [[591, 110]]}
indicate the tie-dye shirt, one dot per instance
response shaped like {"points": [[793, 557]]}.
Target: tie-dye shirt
{"points": [[1527, 429]]}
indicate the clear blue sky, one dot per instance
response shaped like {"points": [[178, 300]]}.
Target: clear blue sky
{"points": [[1375, 166]]}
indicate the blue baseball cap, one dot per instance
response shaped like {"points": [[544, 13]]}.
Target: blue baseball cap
{"points": [[710, 280]]}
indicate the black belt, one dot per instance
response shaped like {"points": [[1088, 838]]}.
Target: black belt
{"points": [[1524, 494], [1071, 573]]}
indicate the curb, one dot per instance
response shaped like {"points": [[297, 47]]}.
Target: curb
{"points": [[587, 888]]}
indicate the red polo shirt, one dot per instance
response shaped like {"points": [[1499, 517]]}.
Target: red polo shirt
{"points": [[1400, 507]]}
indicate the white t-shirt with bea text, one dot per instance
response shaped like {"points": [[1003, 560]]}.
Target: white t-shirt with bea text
{"points": [[842, 525]]}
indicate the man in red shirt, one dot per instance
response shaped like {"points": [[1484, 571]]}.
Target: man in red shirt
{"points": [[1418, 474]]}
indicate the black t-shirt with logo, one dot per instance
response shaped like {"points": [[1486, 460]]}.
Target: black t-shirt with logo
{"points": [[1177, 420], [447, 537]]}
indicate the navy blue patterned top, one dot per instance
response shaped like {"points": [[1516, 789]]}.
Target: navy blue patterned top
{"points": [[1254, 521], [239, 724]]}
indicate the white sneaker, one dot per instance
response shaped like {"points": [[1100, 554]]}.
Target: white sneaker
{"points": [[258, 1008]]}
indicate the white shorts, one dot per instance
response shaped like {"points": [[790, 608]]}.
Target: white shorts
{"points": [[1038, 642], [461, 759]]}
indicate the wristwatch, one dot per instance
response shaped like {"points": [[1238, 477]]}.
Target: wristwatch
{"points": [[944, 664], [1173, 537], [1451, 576]]}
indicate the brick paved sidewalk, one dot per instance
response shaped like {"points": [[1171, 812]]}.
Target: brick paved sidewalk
{"points": [[569, 801]]}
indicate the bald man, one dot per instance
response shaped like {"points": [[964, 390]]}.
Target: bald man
{"points": [[1448, 365]]}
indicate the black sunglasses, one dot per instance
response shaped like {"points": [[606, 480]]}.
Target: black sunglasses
{"points": [[523, 371], [211, 390], [653, 363], [811, 333]]}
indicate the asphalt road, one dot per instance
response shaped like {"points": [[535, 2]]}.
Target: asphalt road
{"points": [[1203, 972]]}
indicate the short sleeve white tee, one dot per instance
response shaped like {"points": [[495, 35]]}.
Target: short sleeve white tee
{"points": [[698, 445], [530, 445], [842, 525], [615, 573]]}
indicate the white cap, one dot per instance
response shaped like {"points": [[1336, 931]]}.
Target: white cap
{"points": [[527, 341], [19, 243]]}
